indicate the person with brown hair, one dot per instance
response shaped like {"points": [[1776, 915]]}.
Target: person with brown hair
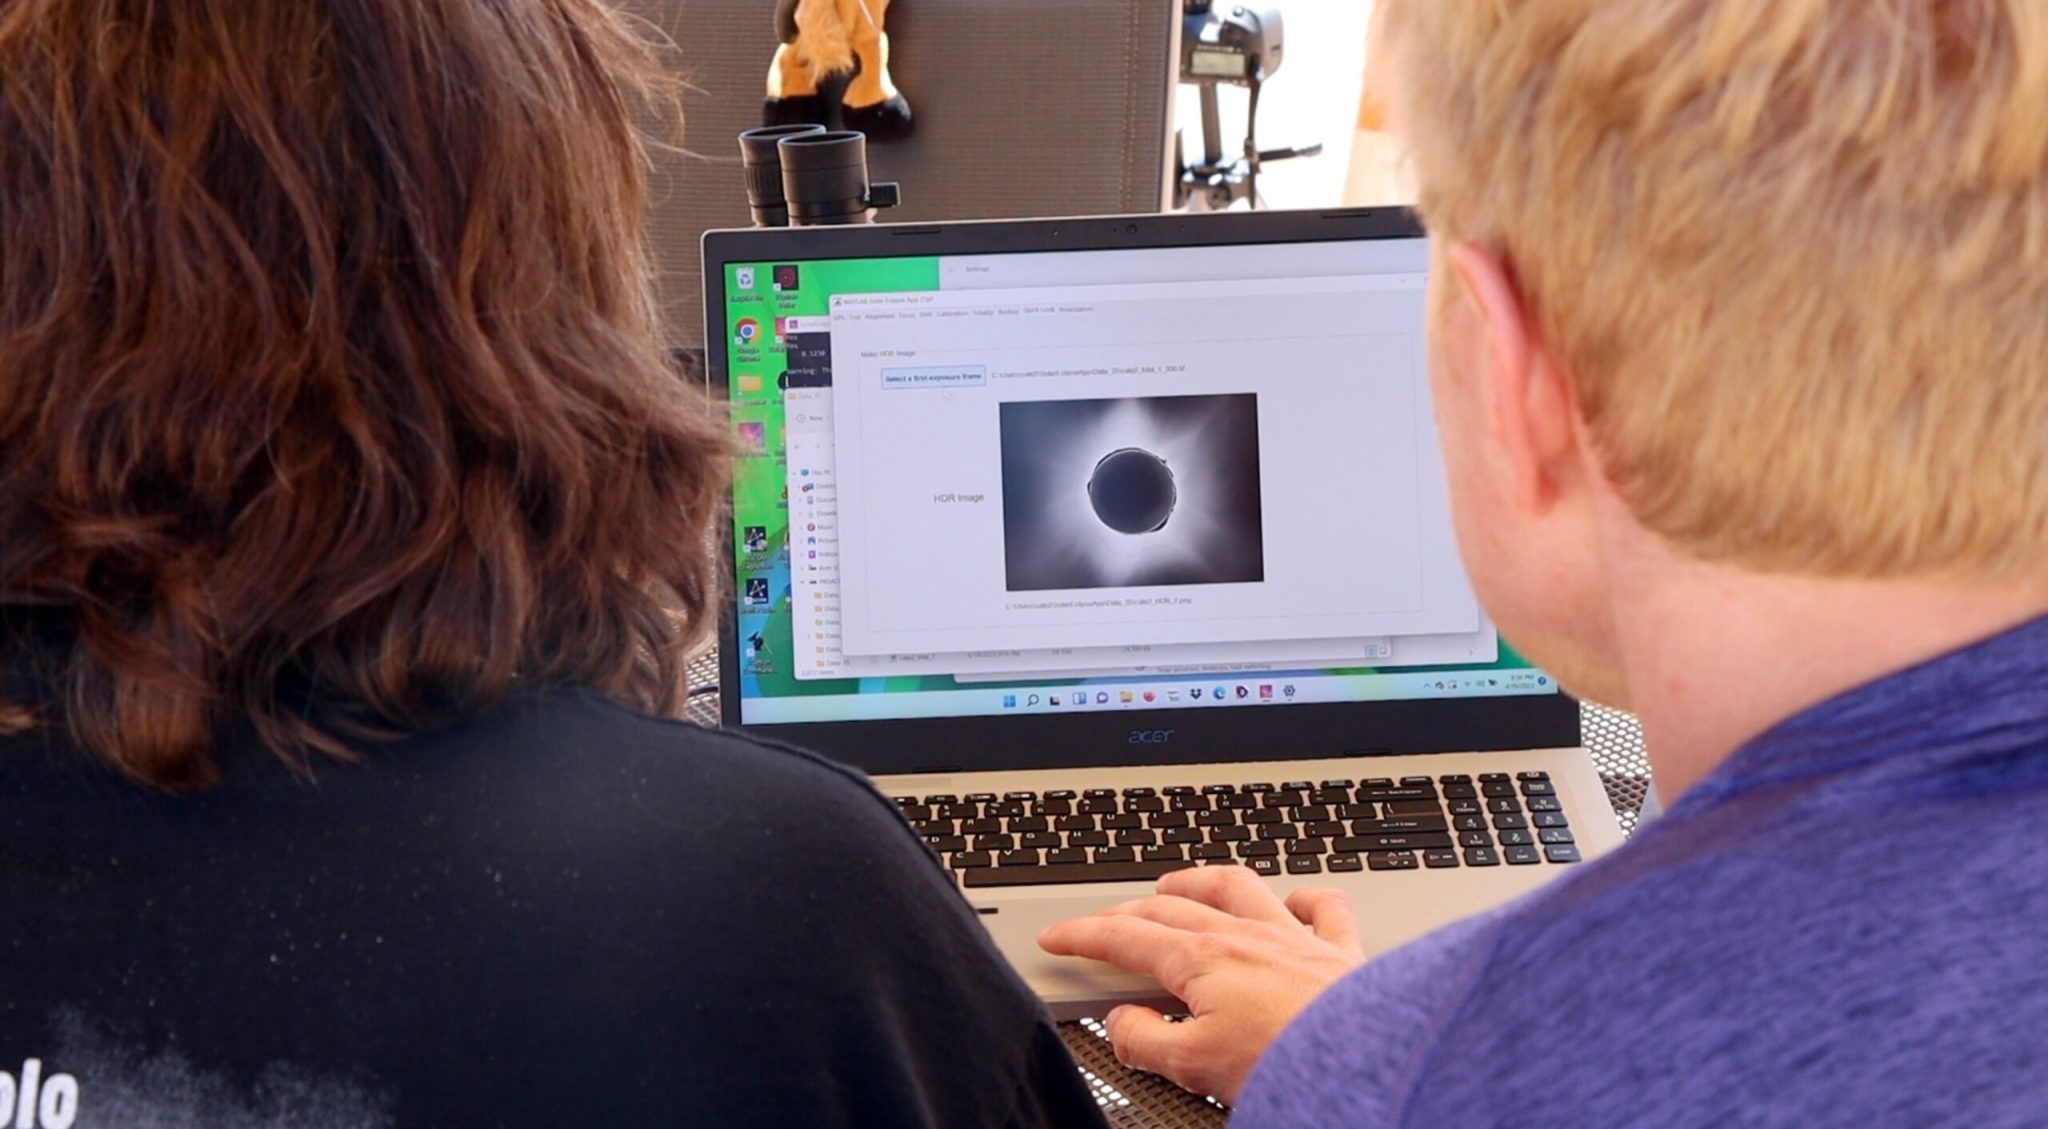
{"points": [[353, 535]]}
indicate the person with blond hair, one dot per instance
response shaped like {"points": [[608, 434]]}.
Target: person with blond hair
{"points": [[1740, 359], [353, 540]]}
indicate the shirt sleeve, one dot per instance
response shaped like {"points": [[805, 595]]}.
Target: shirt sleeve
{"points": [[1356, 1056], [879, 1000]]}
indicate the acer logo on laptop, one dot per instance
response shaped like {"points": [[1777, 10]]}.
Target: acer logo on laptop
{"points": [[1151, 736]]}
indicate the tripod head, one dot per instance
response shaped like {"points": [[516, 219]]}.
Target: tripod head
{"points": [[1241, 46]]}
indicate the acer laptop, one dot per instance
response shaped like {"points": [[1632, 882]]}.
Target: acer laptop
{"points": [[1111, 546]]}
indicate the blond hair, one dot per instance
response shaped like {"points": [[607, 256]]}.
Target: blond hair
{"points": [[1794, 254]]}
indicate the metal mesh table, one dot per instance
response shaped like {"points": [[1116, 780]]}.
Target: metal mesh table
{"points": [[1136, 1100]]}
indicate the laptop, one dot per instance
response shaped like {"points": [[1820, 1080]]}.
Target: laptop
{"points": [[1112, 546]]}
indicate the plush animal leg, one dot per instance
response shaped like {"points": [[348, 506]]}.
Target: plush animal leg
{"points": [[811, 31], [873, 104]]}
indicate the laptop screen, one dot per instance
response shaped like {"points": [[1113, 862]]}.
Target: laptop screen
{"points": [[1191, 478]]}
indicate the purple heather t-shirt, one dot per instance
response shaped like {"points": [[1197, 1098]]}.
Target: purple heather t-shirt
{"points": [[1845, 925]]}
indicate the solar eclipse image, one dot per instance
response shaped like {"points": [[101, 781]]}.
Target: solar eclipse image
{"points": [[1132, 492]]}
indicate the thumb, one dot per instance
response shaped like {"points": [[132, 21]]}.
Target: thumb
{"points": [[1145, 1040]]}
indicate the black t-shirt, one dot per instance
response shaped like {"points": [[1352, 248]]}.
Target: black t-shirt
{"points": [[563, 914]]}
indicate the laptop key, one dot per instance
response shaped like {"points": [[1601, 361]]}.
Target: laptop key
{"points": [[1027, 823], [1138, 793], [1358, 811], [1545, 803], [1166, 819], [1407, 842], [1066, 856], [1392, 860], [1229, 834], [1328, 794], [1481, 856], [1466, 807], [1255, 787], [956, 810], [1268, 868], [981, 797], [1215, 818], [1454, 778], [1165, 852], [1324, 828], [1258, 850], [1127, 821], [1522, 856], [1126, 871], [1416, 782], [1097, 805], [1399, 809], [1561, 852], [1491, 777], [1469, 823], [1538, 788], [1037, 839], [1549, 819], [1145, 804], [1020, 795], [1117, 854], [1060, 794], [1241, 801], [1512, 821], [1474, 839], [947, 842], [942, 798], [1054, 807], [1181, 835], [1265, 815], [1440, 858], [1307, 847], [968, 860], [1074, 823], [1460, 792], [916, 813], [1513, 838], [1279, 831], [994, 843], [1344, 864], [981, 826], [1210, 852], [1402, 826], [1139, 838], [1304, 864], [1189, 803], [1500, 804], [1550, 835], [1532, 775], [1017, 858], [1497, 788], [1178, 790], [1088, 839], [1217, 789]]}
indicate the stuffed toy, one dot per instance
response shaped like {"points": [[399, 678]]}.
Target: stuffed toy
{"points": [[833, 68]]}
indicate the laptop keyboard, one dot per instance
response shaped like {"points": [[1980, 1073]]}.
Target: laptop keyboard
{"points": [[1295, 827]]}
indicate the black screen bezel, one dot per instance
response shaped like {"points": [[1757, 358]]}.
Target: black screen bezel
{"points": [[1097, 739]]}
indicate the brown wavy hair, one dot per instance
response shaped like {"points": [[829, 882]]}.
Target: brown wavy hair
{"points": [[332, 400]]}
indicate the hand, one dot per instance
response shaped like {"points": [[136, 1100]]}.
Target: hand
{"points": [[1243, 961]]}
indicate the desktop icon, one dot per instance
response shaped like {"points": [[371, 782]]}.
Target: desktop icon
{"points": [[746, 332], [1289, 691], [1244, 692], [747, 384], [1124, 696], [756, 538], [1053, 701], [1195, 694], [1150, 696], [1101, 697], [757, 592], [781, 331], [1266, 693], [785, 278], [1173, 695], [744, 278], [1221, 693], [754, 436], [1033, 700], [1009, 701]]}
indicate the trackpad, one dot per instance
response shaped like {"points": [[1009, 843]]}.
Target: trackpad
{"points": [[1072, 987]]}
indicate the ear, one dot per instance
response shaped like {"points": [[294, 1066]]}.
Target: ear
{"points": [[1523, 394]]}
